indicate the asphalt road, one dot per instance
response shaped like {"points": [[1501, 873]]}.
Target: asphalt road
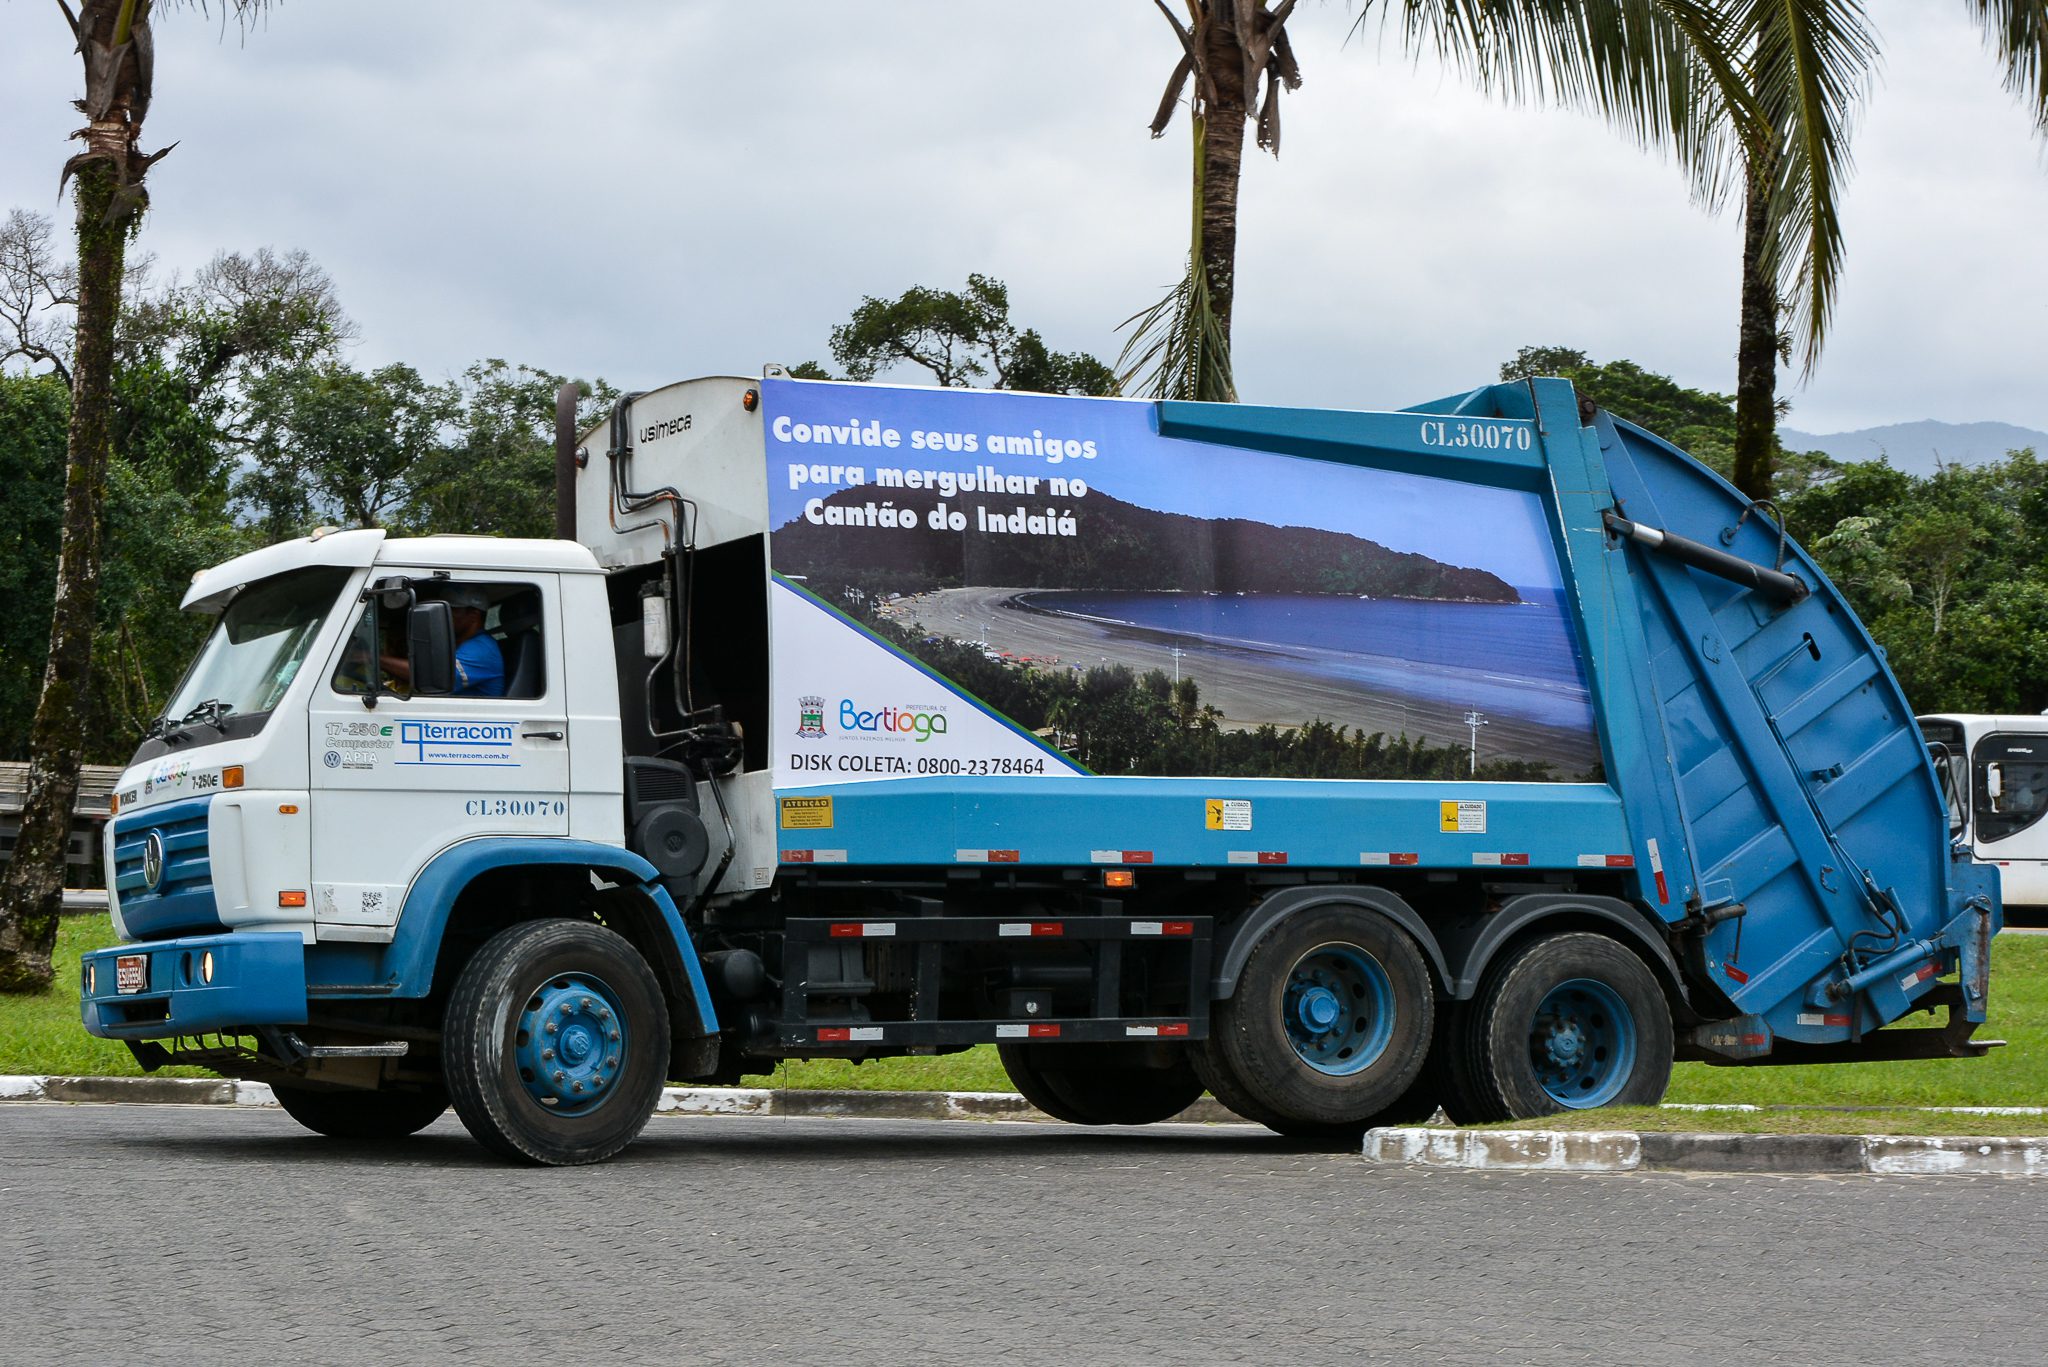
{"points": [[198, 1235]]}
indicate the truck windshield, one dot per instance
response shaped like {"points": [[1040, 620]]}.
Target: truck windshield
{"points": [[255, 650]]}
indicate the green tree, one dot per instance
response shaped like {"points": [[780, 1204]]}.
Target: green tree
{"points": [[333, 442], [115, 45], [961, 337], [1696, 421], [495, 472]]}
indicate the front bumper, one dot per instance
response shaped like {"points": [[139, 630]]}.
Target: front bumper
{"points": [[259, 978]]}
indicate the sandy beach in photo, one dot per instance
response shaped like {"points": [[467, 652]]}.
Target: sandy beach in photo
{"points": [[1250, 686]]}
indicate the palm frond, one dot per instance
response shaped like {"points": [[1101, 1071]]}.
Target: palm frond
{"points": [[2018, 32], [1660, 71], [1809, 70], [1177, 348]]}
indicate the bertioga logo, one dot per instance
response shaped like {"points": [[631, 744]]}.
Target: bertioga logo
{"points": [[810, 716], [921, 723]]}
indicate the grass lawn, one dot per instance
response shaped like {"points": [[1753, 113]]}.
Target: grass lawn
{"points": [[43, 1035]]}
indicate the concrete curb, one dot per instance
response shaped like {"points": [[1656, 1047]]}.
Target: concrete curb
{"points": [[195, 1091], [1651, 1151]]}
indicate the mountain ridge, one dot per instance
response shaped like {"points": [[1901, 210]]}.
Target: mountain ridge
{"points": [[1119, 545], [1920, 447]]}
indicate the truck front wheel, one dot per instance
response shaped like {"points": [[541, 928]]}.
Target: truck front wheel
{"points": [[1568, 1022], [361, 1115], [555, 1044], [1328, 1028]]}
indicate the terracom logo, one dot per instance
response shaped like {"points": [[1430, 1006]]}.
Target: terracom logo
{"points": [[458, 744]]}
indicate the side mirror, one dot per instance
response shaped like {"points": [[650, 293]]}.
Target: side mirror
{"points": [[430, 646], [1994, 781]]}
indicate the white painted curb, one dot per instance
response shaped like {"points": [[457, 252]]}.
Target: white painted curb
{"points": [[1507, 1150], [1627, 1151]]}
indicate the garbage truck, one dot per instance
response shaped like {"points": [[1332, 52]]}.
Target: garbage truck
{"points": [[1486, 755]]}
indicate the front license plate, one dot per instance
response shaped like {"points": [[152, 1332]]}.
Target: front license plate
{"points": [[131, 973]]}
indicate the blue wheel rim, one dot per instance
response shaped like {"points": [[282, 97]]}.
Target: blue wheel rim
{"points": [[1338, 1009], [1583, 1043], [571, 1043]]}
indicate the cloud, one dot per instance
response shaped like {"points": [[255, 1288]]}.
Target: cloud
{"points": [[650, 190]]}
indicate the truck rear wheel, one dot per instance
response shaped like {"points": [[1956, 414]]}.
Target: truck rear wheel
{"points": [[555, 1043], [362, 1114], [1568, 1022], [1100, 1084], [1328, 1028]]}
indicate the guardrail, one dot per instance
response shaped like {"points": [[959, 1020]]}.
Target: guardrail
{"points": [[89, 815]]}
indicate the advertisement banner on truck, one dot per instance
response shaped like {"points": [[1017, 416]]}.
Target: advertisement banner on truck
{"points": [[976, 583]]}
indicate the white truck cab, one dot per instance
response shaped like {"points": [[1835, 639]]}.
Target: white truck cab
{"points": [[1995, 773], [285, 699]]}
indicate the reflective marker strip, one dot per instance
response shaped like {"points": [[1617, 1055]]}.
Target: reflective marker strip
{"points": [[1391, 858], [1737, 974], [1009, 928], [1258, 856], [1159, 1031], [985, 856], [1162, 927], [1916, 977], [1501, 860], [1607, 861], [1816, 1018], [814, 856], [1657, 868], [855, 930], [1027, 1032], [842, 1034], [1119, 856]]}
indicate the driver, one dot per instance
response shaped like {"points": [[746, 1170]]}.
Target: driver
{"points": [[479, 662]]}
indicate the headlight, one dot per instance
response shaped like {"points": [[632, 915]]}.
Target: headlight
{"points": [[90, 978], [206, 967]]}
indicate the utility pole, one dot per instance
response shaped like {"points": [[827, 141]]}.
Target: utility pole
{"points": [[1475, 720], [1177, 653]]}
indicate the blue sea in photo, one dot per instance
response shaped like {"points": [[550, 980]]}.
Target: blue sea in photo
{"points": [[1513, 660]]}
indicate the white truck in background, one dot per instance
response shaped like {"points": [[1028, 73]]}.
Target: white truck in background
{"points": [[1994, 770]]}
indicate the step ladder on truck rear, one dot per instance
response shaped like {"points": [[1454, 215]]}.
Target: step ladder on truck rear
{"points": [[1488, 755]]}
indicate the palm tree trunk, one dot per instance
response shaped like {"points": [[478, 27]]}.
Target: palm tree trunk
{"points": [[32, 888], [1222, 164], [1756, 358]]}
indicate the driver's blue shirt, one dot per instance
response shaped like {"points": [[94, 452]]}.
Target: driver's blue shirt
{"points": [[479, 668]]}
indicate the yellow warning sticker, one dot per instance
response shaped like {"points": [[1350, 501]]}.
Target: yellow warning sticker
{"points": [[807, 814], [1227, 814], [1463, 818]]}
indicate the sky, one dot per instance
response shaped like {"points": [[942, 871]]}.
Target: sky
{"points": [[647, 190]]}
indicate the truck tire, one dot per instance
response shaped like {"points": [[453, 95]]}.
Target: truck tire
{"points": [[1423, 1099], [362, 1114], [555, 1043], [1567, 1022], [1099, 1084], [1328, 1028]]}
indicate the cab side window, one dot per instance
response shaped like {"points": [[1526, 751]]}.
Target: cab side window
{"points": [[499, 648], [2011, 784]]}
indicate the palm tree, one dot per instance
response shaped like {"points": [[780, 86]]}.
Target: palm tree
{"points": [[1802, 68], [1639, 63], [1229, 49], [114, 42]]}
